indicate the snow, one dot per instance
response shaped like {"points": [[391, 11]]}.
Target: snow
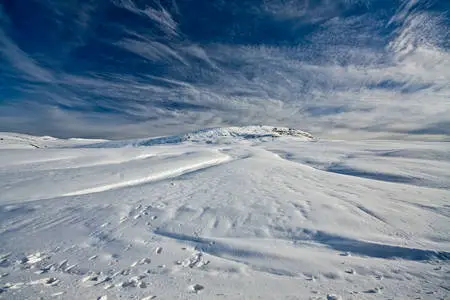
{"points": [[221, 135], [225, 213], [10, 140]]}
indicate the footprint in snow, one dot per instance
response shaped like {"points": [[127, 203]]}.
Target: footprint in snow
{"points": [[44, 281], [196, 260], [97, 278], [310, 277], [90, 277], [70, 268], [13, 286], [134, 264], [103, 280], [50, 281], [135, 281], [125, 272], [145, 261], [4, 263], [4, 259], [62, 264], [108, 286], [33, 258], [196, 288], [376, 290], [45, 269], [333, 297], [6, 255]]}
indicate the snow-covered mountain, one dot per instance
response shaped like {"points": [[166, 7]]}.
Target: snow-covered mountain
{"points": [[229, 213]]}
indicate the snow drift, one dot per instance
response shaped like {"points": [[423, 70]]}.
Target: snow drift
{"points": [[238, 212]]}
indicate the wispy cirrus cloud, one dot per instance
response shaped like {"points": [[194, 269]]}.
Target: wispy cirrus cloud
{"points": [[359, 69], [21, 63]]}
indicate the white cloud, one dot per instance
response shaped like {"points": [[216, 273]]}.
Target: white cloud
{"points": [[22, 62], [348, 78]]}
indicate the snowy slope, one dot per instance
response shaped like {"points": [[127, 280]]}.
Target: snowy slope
{"points": [[23, 141], [228, 213]]}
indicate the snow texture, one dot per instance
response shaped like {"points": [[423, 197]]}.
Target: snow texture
{"points": [[228, 213]]}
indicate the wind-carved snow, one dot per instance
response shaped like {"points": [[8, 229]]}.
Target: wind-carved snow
{"points": [[252, 212]]}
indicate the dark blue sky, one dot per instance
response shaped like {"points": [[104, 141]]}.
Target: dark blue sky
{"points": [[128, 68]]}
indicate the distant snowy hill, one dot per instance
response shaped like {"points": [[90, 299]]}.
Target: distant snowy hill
{"points": [[219, 135], [24, 141], [253, 212], [17, 140], [208, 136]]}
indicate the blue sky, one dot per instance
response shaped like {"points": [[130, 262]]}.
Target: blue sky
{"points": [[135, 68]]}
